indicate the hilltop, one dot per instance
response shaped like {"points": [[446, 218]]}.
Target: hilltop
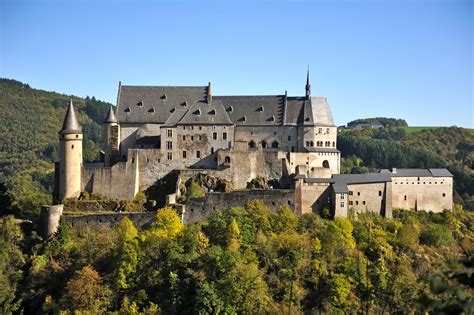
{"points": [[29, 126]]}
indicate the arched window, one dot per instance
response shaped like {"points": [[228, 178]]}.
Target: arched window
{"points": [[252, 144], [311, 144], [274, 144], [227, 160], [333, 144], [264, 144], [325, 164]]}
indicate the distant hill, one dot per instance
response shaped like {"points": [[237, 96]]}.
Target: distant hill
{"points": [[377, 121], [29, 124]]}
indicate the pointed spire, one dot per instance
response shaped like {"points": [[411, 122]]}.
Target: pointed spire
{"points": [[70, 124], [308, 85], [209, 93], [111, 118]]}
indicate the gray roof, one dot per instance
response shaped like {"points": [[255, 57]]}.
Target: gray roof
{"points": [[154, 104], [70, 124], [205, 113], [111, 118], [254, 110], [319, 180], [175, 117], [440, 172], [326, 150], [340, 188], [361, 178], [415, 172]]}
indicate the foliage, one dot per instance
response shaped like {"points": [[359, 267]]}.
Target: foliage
{"points": [[386, 122], [245, 260]]}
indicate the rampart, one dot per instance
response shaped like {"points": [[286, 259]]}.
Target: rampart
{"points": [[198, 209], [81, 223]]}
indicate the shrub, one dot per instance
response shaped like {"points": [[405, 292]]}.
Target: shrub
{"points": [[437, 235]]}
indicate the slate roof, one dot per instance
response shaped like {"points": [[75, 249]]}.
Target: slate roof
{"points": [[111, 118], [327, 150], [175, 117], [440, 172], [154, 104], [254, 110], [340, 188], [418, 172], [70, 124], [205, 113], [361, 178]]}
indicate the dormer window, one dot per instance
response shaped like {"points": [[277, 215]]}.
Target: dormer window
{"points": [[272, 118], [212, 112], [127, 110], [307, 119], [243, 119], [172, 110], [164, 97], [151, 110], [230, 109], [260, 109], [184, 104], [140, 103], [197, 112]]}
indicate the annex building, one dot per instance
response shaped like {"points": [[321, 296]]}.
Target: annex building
{"points": [[291, 141]]}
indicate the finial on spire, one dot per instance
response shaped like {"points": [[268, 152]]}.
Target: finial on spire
{"points": [[70, 124], [111, 118], [308, 84], [209, 93]]}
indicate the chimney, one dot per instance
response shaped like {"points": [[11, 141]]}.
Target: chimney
{"points": [[394, 170], [209, 93]]}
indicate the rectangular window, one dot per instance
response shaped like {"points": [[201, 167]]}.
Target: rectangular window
{"points": [[170, 133], [214, 136], [192, 138], [198, 154], [184, 154], [169, 145], [184, 138], [342, 196], [289, 138], [351, 192], [363, 202], [405, 197], [224, 136], [342, 204], [170, 156], [350, 203], [357, 202], [380, 193], [358, 193]]}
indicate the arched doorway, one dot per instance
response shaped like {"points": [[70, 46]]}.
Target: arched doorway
{"points": [[325, 164]]}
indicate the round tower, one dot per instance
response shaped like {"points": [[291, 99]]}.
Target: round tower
{"points": [[112, 136], [70, 156]]}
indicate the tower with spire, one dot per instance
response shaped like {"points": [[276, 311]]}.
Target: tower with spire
{"points": [[308, 85], [70, 156], [112, 138]]}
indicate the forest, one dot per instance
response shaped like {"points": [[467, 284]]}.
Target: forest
{"points": [[245, 260], [241, 260]]}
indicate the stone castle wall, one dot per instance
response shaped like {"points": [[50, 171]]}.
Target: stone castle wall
{"points": [[198, 209], [83, 223]]}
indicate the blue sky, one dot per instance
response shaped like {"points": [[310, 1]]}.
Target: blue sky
{"points": [[404, 59]]}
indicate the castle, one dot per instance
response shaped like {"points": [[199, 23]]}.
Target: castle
{"points": [[290, 141]]}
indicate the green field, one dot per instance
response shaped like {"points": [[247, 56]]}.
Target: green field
{"points": [[413, 129]]}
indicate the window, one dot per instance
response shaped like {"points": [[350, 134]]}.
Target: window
{"points": [[327, 130], [311, 144], [363, 202], [325, 164], [198, 154], [274, 144], [251, 144], [212, 150], [192, 138], [170, 156], [380, 193], [224, 136], [333, 144], [264, 144], [307, 143], [357, 203], [227, 160], [289, 138], [358, 193], [214, 136], [405, 197], [351, 192], [72, 146], [184, 138], [342, 204], [350, 203], [342, 196], [320, 130], [169, 145], [444, 195], [184, 154], [170, 133]]}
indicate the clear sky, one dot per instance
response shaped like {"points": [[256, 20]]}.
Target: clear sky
{"points": [[404, 59]]}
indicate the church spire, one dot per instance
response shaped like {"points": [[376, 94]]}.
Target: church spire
{"points": [[70, 124], [308, 85]]}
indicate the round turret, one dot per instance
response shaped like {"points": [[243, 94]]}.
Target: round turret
{"points": [[112, 137], [70, 156]]}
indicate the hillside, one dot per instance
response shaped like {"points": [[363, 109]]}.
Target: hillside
{"points": [[451, 147], [29, 126]]}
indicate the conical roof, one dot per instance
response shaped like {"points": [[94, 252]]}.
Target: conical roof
{"points": [[111, 118], [70, 124]]}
